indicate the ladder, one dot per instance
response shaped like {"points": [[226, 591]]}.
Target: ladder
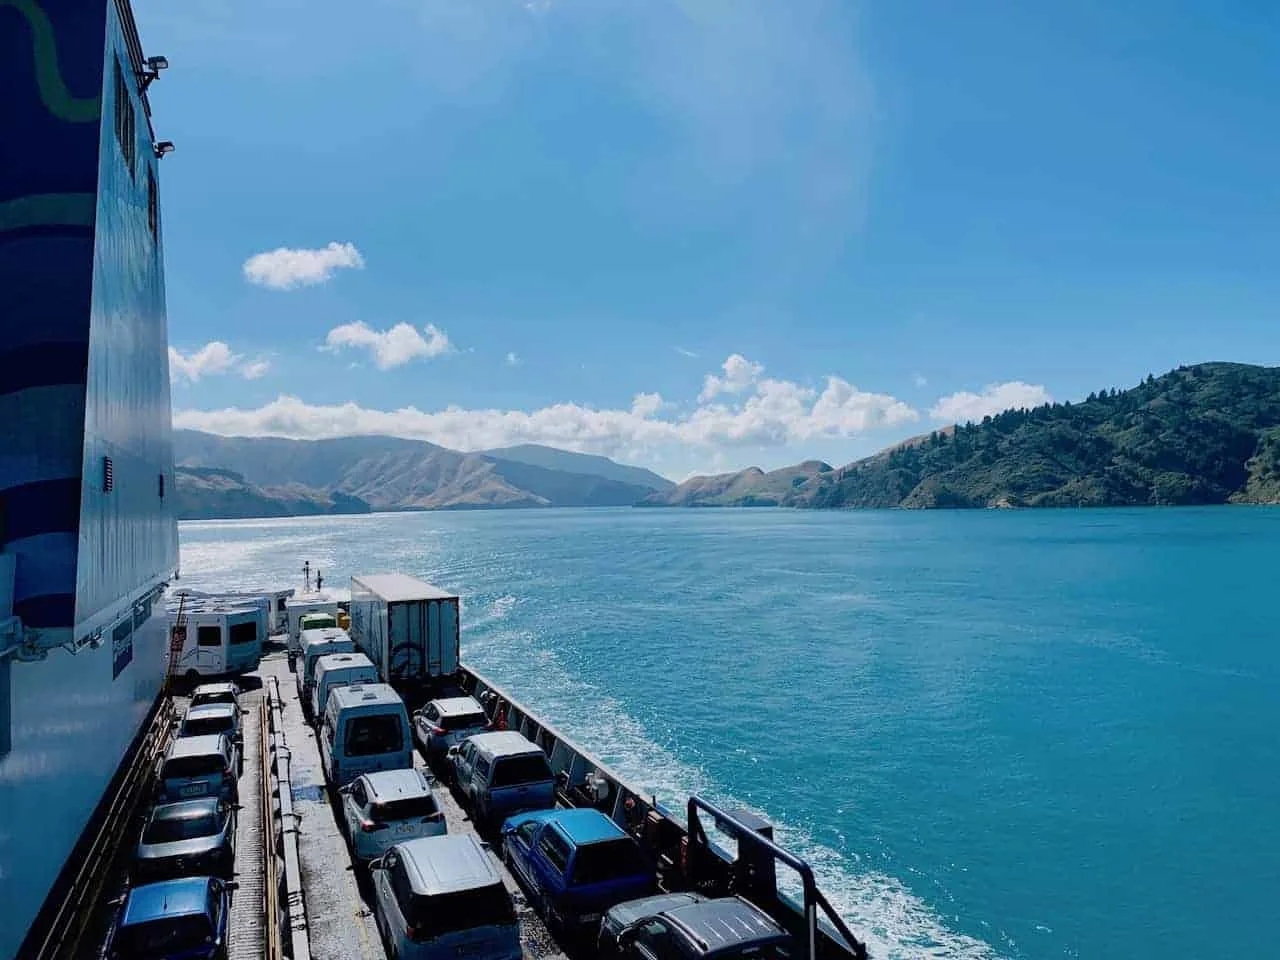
{"points": [[177, 640]]}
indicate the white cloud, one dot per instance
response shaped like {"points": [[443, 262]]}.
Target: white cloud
{"points": [[215, 358], [739, 374], [390, 348], [919, 380], [286, 268], [964, 406], [513, 359], [774, 413], [686, 353]]}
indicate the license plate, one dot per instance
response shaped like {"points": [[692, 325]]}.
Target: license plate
{"points": [[405, 828], [590, 918], [194, 790]]}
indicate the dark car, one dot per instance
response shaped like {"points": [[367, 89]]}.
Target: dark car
{"points": [[576, 864], [726, 929], [627, 914], [187, 839], [173, 920]]}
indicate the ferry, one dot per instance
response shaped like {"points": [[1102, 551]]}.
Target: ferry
{"points": [[105, 775]]}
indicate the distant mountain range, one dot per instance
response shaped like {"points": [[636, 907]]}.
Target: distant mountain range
{"points": [[1202, 434], [273, 476]]}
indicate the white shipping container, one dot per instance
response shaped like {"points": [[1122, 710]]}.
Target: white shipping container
{"points": [[410, 629]]}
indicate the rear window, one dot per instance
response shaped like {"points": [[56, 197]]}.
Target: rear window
{"points": [[202, 726], [171, 830], [529, 768], [204, 699], [406, 808], [378, 733], [317, 621], [482, 907], [462, 721], [165, 937], [203, 766], [608, 860], [243, 633]]}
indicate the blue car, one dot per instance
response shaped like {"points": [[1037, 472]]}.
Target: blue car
{"points": [[576, 864], [173, 920]]}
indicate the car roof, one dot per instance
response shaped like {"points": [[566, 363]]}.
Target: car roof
{"points": [[454, 705], [186, 809], [172, 898], [503, 742], [197, 746], [447, 863], [722, 923], [625, 914], [337, 661], [394, 784], [324, 635], [204, 710], [365, 695], [209, 689], [582, 825]]}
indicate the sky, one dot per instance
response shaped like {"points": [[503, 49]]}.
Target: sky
{"points": [[699, 235]]}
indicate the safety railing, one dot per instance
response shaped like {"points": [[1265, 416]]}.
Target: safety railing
{"points": [[285, 875]]}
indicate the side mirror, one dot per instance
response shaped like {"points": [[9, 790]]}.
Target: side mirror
{"points": [[454, 751], [627, 937], [344, 790], [237, 806], [375, 863], [230, 885]]}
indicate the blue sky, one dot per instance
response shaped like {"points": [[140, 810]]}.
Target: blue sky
{"points": [[702, 234]]}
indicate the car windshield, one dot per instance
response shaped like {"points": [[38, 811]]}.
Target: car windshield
{"points": [[463, 721], [379, 733], [775, 950], [405, 808], [164, 937], [465, 910], [200, 766], [608, 860], [529, 768], [173, 829], [200, 726]]}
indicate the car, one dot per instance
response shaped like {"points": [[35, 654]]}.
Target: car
{"points": [[213, 718], [173, 920], [365, 729], [576, 864], [502, 773], [211, 693], [204, 766], [387, 807], [188, 838], [442, 723], [442, 898], [729, 928], [626, 914]]}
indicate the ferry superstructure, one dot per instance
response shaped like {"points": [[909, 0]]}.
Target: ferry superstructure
{"points": [[88, 537]]}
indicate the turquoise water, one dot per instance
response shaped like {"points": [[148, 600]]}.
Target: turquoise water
{"points": [[1014, 734]]}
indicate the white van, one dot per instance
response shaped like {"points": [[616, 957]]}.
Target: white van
{"points": [[366, 728], [224, 635], [337, 670], [316, 644], [299, 606]]}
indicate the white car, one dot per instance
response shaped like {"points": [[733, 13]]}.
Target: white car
{"points": [[446, 722], [389, 807]]}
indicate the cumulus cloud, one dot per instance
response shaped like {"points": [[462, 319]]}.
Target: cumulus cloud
{"points": [[920, 380], [215, 358], [739, 374], [772, 413], [965, 406], [390, 348], [285, 268], [513, 359]]}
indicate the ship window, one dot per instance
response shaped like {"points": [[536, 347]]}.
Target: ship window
{"points": [[126, 131], [161, 477], [108, 475], [209, 637], [153, 221], [243, 632]]}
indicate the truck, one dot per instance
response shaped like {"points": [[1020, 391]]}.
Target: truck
{"points": [[411, 630]]}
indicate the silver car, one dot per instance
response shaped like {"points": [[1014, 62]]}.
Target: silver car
{"points": [[187, 839], [216, 718], [210, 693], [196, 767], [387, 807], [446, 722]]}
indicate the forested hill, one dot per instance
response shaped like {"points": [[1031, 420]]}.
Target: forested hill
{"points": [[1203, 434]]}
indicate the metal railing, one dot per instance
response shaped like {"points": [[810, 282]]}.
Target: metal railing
{"points": [[270, 867], [283, 886], [69, 921]]}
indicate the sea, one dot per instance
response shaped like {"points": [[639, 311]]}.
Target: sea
{"points": [[1035, 734]]}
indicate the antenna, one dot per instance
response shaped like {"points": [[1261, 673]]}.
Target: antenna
{"points": [[319, 581], [306, 577]]}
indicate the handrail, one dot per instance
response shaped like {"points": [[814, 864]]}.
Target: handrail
{"points": [[299, 947], [270, 893], [70, 920], [813, 898]]}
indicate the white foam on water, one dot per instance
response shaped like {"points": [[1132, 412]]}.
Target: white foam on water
{"points": [[895, 923]]}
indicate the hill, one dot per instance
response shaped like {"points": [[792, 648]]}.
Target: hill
{"points": [[1202, 434], [746, 488], [552, 459], [283, 476]]}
